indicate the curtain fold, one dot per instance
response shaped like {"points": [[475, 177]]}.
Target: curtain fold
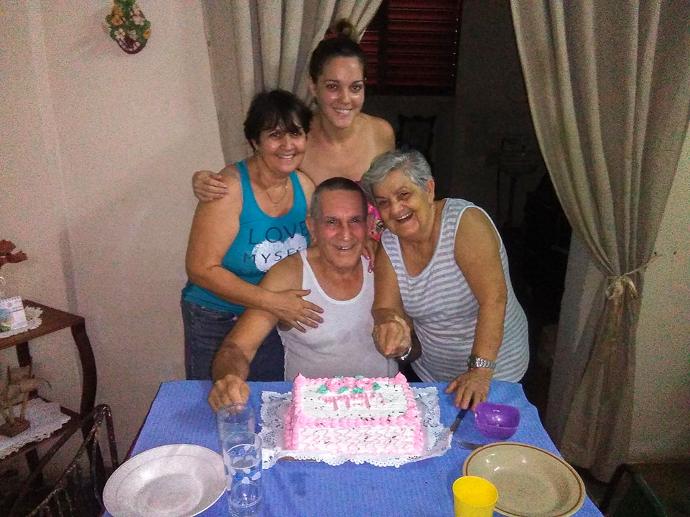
{"points": [[609, 91], [269, 47]]}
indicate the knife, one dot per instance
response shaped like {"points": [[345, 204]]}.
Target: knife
{"points": [[456, 423]]}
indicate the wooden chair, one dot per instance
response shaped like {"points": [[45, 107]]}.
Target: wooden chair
{"points": [[79, 487]]}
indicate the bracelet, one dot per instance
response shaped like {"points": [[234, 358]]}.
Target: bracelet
{"points": [[406, 354]]}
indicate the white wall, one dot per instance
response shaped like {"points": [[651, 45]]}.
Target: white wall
{"points": [[32, 201], [662, 377], [96, 163]]}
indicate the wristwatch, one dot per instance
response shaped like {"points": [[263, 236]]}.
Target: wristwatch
{"points": [[474, 361]]}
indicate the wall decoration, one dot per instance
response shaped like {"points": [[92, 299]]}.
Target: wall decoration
{"points": [[128, 26]]}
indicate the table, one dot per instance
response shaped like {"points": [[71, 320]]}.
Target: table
{"points": [[180, 414], [54, 320]]}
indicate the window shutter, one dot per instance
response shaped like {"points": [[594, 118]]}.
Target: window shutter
{"points": [[411, 47]]}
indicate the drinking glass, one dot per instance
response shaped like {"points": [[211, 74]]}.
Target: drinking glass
{"points": [[234, 419], [243, 471]]}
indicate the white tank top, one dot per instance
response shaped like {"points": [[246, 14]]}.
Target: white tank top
{"points": [[342, 344]]}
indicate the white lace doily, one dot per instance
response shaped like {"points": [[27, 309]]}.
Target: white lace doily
{"points": [[45, 418], [33, 319], [275, 405]]}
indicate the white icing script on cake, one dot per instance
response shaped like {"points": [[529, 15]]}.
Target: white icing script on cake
{"points": [[377, 401], [354, 414]]}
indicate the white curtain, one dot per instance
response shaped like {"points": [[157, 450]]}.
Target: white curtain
{"points": [[257, 45], [609, 91]]}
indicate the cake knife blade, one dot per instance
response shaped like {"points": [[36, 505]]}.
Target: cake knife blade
{"points": [[456, 423]]}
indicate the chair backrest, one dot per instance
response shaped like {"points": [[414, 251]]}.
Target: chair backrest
{"points": [[79, 488]]}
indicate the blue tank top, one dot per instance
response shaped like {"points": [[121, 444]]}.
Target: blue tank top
{"points": [[260, 243]]}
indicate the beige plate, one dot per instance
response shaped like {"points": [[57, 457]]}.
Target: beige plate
{"points": [[530, 480]]}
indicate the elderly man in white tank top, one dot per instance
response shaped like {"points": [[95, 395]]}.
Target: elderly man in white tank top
{"points": [[331, 274]]}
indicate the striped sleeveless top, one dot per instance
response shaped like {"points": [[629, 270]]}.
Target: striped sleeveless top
{"points": [[444, 310]]}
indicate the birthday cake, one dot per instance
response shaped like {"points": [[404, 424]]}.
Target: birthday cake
{"points": [[354, 415]]}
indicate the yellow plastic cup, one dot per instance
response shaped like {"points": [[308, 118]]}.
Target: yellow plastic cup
{"points": [[474, 497]]}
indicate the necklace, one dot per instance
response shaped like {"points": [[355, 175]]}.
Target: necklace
{"points": [[284, 188]]}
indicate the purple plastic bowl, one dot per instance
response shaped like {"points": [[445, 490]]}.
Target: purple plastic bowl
{"points": [[497, 421]]}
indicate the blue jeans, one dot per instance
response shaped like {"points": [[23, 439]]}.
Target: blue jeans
{"points": [[204, 331]]}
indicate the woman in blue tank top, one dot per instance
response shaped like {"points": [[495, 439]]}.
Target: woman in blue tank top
{"points": [[235, 240]]}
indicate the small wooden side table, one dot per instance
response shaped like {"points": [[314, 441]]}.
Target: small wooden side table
{"points": [[52, 321]]}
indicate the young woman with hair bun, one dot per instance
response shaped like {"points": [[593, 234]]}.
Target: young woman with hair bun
{"points": [[343, 141]]}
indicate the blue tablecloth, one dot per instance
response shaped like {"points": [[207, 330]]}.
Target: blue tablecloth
{"points": [[180, 414]]}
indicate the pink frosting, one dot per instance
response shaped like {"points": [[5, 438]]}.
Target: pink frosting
{"points": [[377, 435]]}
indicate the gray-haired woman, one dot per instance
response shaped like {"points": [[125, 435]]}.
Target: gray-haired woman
{"points": [[443, 272]]}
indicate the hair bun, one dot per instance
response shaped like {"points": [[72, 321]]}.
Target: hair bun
{"points": [[344, 29], [339, 41]]}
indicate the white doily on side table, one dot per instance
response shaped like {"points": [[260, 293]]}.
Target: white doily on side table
{"points": [[275, 405], [45, 418], [33, 320]]}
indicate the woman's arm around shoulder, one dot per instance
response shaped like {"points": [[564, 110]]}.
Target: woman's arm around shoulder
{"points": [[288, 303], [208, 185]]}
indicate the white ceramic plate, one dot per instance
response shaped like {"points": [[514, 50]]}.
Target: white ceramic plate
{"points": [[530, 480], [172, 480]]}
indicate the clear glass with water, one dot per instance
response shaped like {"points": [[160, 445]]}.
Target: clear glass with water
{"points": [[243, 470], [242, 457]]}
